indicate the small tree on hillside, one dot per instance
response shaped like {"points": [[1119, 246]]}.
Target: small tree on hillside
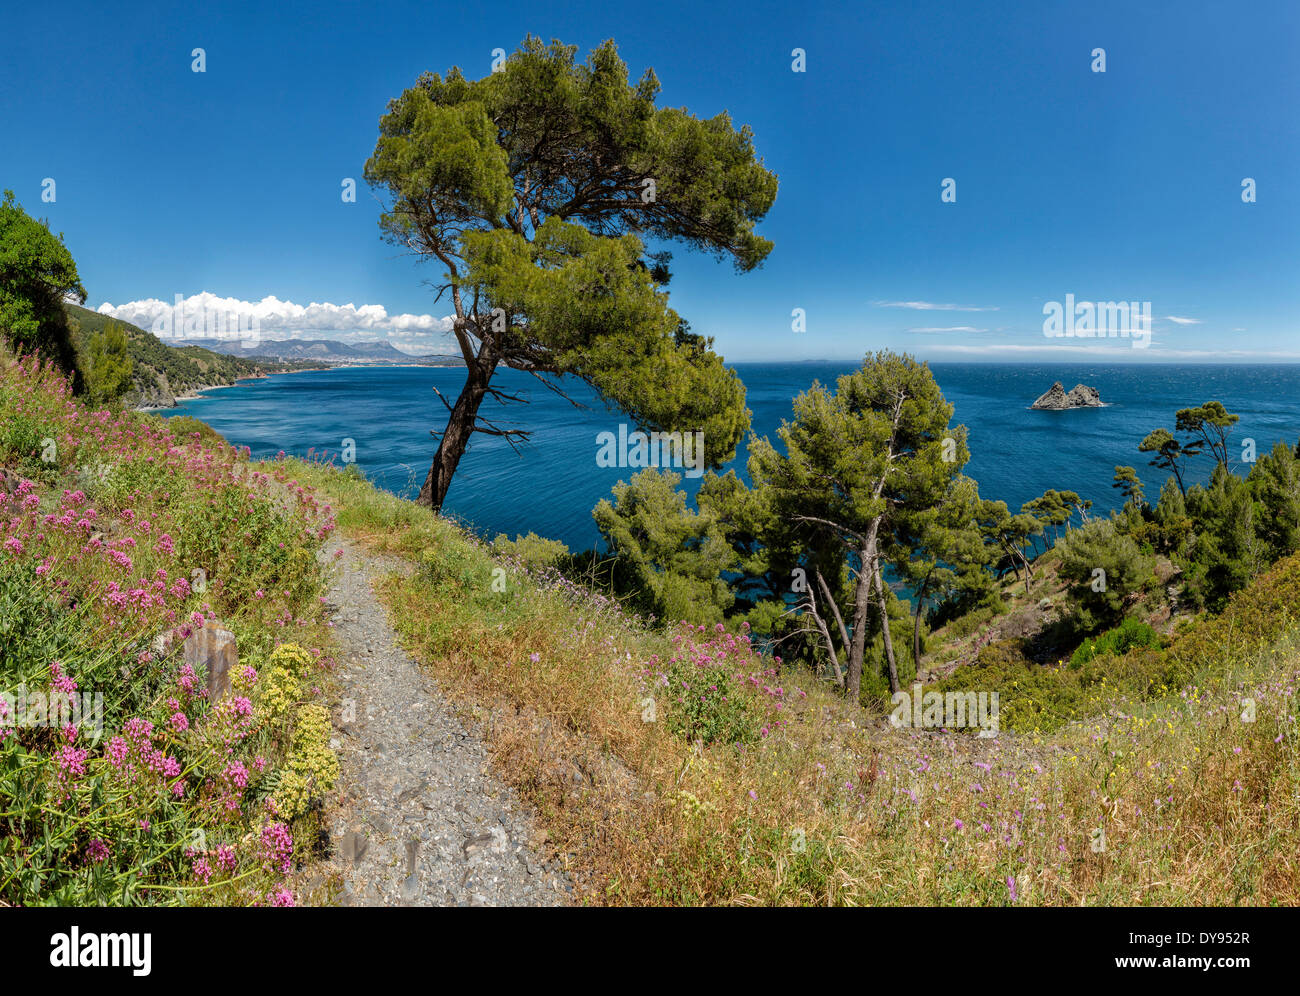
{"points": [[858, 462], [1210, 424], [535, 188], [792, 577], [943, 552], [36, 273], [1008, 535], [1170, 454], [1104, 568], [1056, 508], [671, 556], [1129, 485], [108, 365]]}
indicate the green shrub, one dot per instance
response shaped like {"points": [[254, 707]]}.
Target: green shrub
{"points": [[966, 625], [184, 427], [1104, 567], [1117, 642], [533, 551], [26, 446]]}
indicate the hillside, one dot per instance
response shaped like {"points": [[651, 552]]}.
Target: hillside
{"points": [[685, 766], [162, 372], [163, 738], [658, 765], [329, 351]]}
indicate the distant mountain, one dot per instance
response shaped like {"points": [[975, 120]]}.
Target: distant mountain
{"points": [[162, 372], [331, 351]]}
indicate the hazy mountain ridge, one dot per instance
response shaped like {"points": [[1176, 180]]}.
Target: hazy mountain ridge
{"points": [[325, 350]]}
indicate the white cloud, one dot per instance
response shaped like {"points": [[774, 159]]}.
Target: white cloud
{"points": [[1182, 321], [928, 306], [284, 319], [951, 328]]}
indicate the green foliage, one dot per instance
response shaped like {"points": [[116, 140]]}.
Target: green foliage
{"points": [[186, 426], [1055, 508], [1118, 641], [967, 623], [108, 366], [1007, 535], [669, 555], [36, 273], [538, 188], [1254, 617], [1210, 424], [600, 316], [1130, 487], [1170, 454], [1098, 547], [861, 466], [533, 551], [1031, 697], [25, 444], [942, 553]]}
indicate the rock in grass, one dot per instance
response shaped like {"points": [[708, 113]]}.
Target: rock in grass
{"points": [[211, 651]]}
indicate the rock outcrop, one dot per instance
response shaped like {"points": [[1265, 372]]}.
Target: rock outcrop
{"points": [[1080, 396]]}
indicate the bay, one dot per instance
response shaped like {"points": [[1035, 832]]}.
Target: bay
{"points": [[552, 484]]}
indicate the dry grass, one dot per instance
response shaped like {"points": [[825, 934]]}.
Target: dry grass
{"points": [[1197, 806]]}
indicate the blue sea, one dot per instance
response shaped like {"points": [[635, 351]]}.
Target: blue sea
{"points": [[552, 484]]}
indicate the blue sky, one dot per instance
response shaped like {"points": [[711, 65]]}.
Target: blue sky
{"points": [[1122, 185]]}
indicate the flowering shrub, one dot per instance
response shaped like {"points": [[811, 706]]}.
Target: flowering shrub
{"points": [[717, 687], [288, 665], [121, 781], [312, 767]]}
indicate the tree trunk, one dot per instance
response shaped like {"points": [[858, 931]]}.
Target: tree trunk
{"points": [[916, 625], [839, 621], [861, 607], [460, 426], [884, 631]]}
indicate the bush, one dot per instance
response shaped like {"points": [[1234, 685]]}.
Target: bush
{"points": [[1031, 697], [709, 696], [533, 551], [1117, 642], [1104, 567], [188, 427], [1003, 654], [964, 626]]}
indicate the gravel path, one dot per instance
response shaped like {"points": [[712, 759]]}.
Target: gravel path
{"points": [[423, 821]]}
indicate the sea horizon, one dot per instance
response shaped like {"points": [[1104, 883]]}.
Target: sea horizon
{"points": [[1016, 452]]}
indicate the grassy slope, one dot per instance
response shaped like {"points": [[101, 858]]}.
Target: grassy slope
{"points": [[110, 523], [1164, 798], [186, 368]]}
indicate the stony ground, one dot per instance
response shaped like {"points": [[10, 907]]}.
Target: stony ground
{"points": [[420, 819]]}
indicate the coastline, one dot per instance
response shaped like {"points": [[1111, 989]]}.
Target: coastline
{"points": [[194, 395]]}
